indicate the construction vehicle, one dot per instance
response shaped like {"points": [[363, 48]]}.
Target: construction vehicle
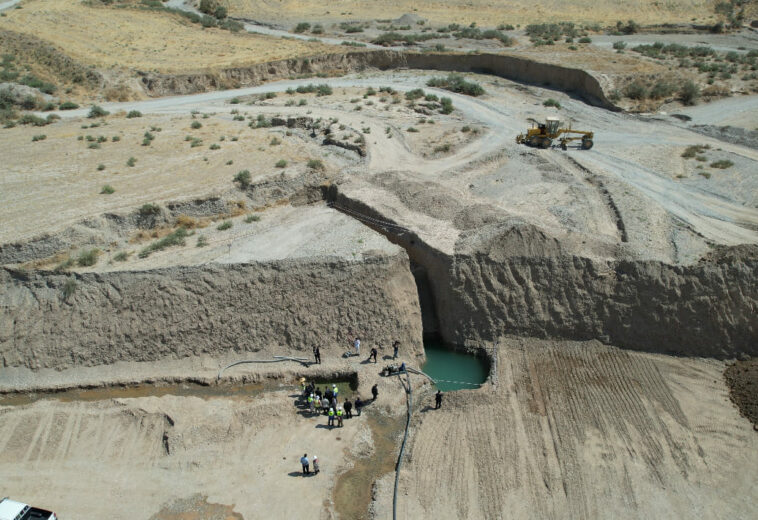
{"points": [[542, 135]]}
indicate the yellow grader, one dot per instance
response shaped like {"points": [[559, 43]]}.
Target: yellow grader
{"points": [[541, 135]]}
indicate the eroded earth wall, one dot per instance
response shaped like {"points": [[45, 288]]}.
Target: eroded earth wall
{"points": [[275, 308]]}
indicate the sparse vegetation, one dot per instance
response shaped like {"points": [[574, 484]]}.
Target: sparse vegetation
{"points": [[252, 218], [414, 94], [243, 178], [315, 164], [88, 258], [227, 224], [68, 105], [97, 111], [722, 164], [69, 288], [121, 256], [40, 137], [202, 241], [100, 167], [215, 146], [176, 238], [133, 113], [457, 83], [196, 124], [107, 190], [281, 163], [131, 161], [442, 148], [550, 102]]}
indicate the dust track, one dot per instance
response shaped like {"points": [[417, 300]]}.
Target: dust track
{"points": [[582, 430]]}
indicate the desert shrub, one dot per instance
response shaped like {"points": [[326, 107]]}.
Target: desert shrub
{"points": [[234, 101], [631, 27], [447, 105], [121, 256], [148, 210], [636, 90], [215, 146], [550, 102], [317, 29], [88, 258], [302, 27], [689, 93], [208, 21], [662, 89], [414, 94], [457, 83], [619, 46], [243, 178], [722, 164], [115, 138], [31, 119], [68, 105], [196, 124], [227, 224], [302, 103], [252, 218], [131, 161], [69, 288], [94, 146], [107, 190], [275, 141], [411, 129], [281, 163], [133, 114], [40, 137], [315, 164], [692, 151], [442, 148], [474, 33], [202, 241], [466, 129], [585, 39], [177, 238], [97, 111], [34, 82]]}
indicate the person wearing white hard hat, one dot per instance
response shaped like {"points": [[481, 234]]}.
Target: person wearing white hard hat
{"points": [[315, 465]]}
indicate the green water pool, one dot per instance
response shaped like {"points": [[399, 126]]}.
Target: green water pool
{"points": [[443, 363]]}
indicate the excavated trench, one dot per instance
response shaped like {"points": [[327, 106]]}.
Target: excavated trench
{"points": [[476, 296]]}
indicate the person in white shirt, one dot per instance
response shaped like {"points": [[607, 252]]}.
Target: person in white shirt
{"points": [[357, 345]]}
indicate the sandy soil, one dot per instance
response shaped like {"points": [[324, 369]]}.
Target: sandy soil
{"points": [[581, 430], [131, 38], [484, 13], [742, 378]]}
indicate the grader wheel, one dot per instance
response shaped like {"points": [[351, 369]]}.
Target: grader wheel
{"points": [[586, 143]]}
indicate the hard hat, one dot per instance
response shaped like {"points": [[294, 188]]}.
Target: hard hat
{"points": [[334, 386], [315, 457], [302, 379]]}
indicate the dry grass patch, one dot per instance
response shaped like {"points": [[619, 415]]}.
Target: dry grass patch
{"points": [[134, 38]]}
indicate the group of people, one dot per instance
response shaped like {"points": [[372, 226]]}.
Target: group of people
{"points": [[327, 402], [307, 465]]}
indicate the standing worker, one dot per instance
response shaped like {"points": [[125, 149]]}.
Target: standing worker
{"points": [[357, 345], [395, 349], [374, 352], [306, 465], [311, 403], [358, 405], [330, 422], [335, 390], [339, 416], [317, 354], [316, 469], [348, 409], [375, 391], [438, 400]]}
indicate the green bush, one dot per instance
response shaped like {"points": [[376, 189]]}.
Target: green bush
{"points": [[689, 92], [636, 90], [215, 146], [275, 141], [442, 148], [722, 164], [692, 151], [411, 129], [281, 163], [131, 161], [661, 89], [69, 287], [107, 190], [225, 225], [302, 27], [202, 241], [147, 210], [40, 137], [88, 258], [619, 46], [414, 94], [31, 119], [550, 102], [68, 105], [100, 167], [177, 238], [447, 105], [121, 256], [252, 218], [315, 164], [196, 124], [457, 83], [134, 113], [243, 178], [97, 111], [585, 39], [115, 138]]}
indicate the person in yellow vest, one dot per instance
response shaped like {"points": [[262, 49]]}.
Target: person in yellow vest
{"points": [[339, 416], [331, 417], [311, 403]]}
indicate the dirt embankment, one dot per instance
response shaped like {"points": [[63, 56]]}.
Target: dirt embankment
{"points": [[568, 79], [518, 280], [274, 308], [742, 378]]}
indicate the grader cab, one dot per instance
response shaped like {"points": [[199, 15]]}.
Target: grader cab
{"points": [[541, 135]]}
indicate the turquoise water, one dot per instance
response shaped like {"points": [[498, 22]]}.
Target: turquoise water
{"points": [[450, 365]]}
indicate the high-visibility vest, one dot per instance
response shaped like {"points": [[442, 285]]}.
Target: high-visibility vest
{"points": [[310, 398], [336, 391], [339, 413], [331, 412]]}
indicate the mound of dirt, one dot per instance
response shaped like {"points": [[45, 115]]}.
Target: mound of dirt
{"points": [[742, 379], [408, 19]]}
